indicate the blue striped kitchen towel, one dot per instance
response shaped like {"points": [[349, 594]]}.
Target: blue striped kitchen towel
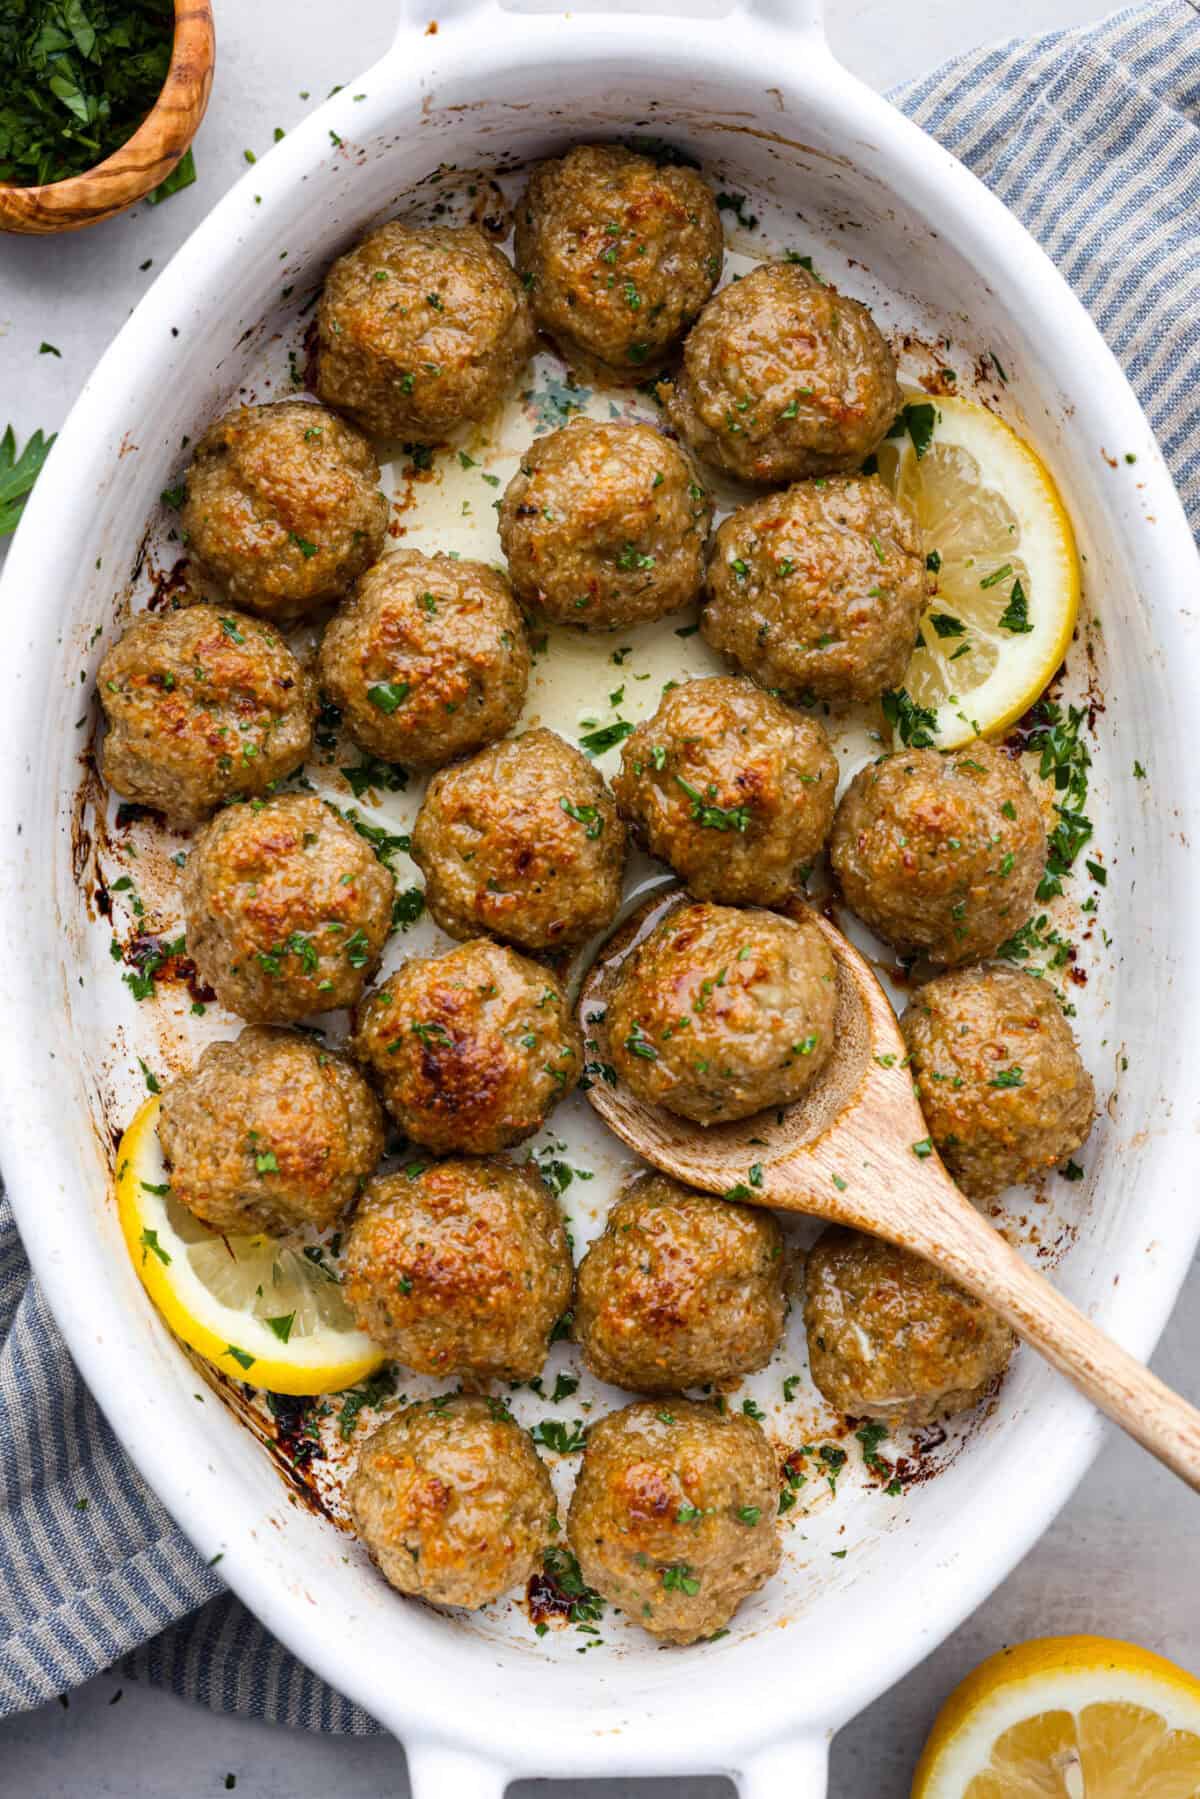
{"points": [[1093, 138]]}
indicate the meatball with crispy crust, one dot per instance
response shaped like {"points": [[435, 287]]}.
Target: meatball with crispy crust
{"points": [[941, 854], [891, 1337], [719, 1013], [271, 1132], [731, 788], [784, 377], [999, 1076], [460, 1268], [680, 1289], [472, 1049], [452, 1501], [620, 253], [283, 509], [522, 842], [605, 525], [203, 706], [817, 592], [419, 328], [428, 660], [287, 908], [673, 1518]]}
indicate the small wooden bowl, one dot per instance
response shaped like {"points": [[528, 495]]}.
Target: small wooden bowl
{"points": [[145, 159]]}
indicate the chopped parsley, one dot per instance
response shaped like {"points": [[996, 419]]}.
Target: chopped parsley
{"points": [[914, 725]]}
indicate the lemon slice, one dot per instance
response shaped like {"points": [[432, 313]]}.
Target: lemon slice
{"points": [[1001, 552], [1067, 1718], [265, 1310]]}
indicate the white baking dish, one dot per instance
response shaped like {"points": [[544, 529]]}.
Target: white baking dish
{"points": [[756, 91]]}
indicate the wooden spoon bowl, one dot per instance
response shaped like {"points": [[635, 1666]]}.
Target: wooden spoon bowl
{"points": [[855, 1149], [145, 159]]}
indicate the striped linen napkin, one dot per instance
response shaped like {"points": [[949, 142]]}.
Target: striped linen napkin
{"points": [[1092, 137]]}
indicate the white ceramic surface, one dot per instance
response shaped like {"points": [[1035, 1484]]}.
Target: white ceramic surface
{"points": [[760, 1706]]}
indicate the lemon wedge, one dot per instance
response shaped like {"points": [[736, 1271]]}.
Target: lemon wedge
{"points": [[265, 1310], [1001, 553], [1067, 1718]]}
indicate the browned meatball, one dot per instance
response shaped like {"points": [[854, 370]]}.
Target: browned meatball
{"points": [[203, 706], [452, 1501], [471, 1049], [719, 1013], [784, 377], [680, 1289], [731, 788], [620, 253], [891, 1337], [673, 1517], [287, 908], [605, 525], [940, 854], [283, 507], [271, 1132], [522, 842], [460, 1268], [818, 591], [428, 660], [999, 1076], [419, 328]]}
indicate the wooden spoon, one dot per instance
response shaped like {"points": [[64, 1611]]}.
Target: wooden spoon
{"points": [[855, 1149]]}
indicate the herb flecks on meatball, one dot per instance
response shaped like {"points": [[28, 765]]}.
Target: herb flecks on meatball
{"points": [[460, 1268], [680, 1289], [620, 253], [421, 328], [941, 854], [719, 1013], [604, 524], [472, 1049], [283, 509], [203, 705], [428, 660], [999, 1076], [524, 843], [783, 377], [272, 1132], [731, 789], [817, 592], [452, 1501], [673, 1518], [890, 1337], [287, 908]]}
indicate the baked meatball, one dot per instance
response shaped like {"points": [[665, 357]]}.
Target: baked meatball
{"points": [[620, 253], [999, 1076], [719, 1013], [452, 1501], [428, 660], [605, 525], [731, 788], [941, 854], [784, 377], [818, 592], [271, 1132], [420, 328], [460, 1268], [523, 842], [287, 908], [680, 1289], [283, 509], [472, 1049], [203, 706], [891, 1337], [673, 1517]]}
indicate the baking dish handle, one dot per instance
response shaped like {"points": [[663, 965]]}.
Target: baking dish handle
{"points": [[805, 17], [436, 1771], [796, 1770]]}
